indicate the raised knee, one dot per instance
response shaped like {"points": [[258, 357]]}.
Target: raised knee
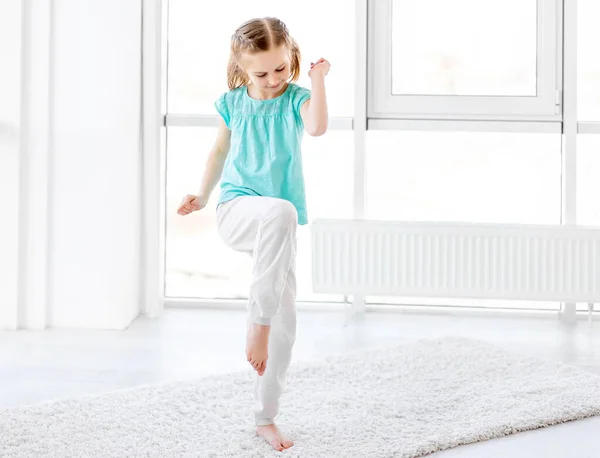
{"points": [[285, 213]]}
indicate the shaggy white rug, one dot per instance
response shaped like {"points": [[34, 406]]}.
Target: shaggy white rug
{"points": [[402, 401]]}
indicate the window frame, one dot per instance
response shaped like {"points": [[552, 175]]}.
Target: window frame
{"points": [[546, 106], [156, 119]]}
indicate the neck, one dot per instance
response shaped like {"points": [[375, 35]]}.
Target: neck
{"points": [[258, 94]]}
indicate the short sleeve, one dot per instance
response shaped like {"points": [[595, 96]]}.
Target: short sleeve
{"points": [[223, 108], [301, 95]]}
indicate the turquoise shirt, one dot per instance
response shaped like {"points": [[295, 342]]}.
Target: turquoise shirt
{"points": [[264, 156]]}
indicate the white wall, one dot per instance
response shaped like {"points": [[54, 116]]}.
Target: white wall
{"points": [[96, 172], [10, 125], [35, 159], [81, 165]]}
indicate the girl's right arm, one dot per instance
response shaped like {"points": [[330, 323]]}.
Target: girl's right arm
{"points": [[212, 172]]}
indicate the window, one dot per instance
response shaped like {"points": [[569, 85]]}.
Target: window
{"points": [[432, 56], [329, 178], [198, 263], [588, 184], [199, 48], [460, 62], [464, 111], [485, 177], [588, 83]]}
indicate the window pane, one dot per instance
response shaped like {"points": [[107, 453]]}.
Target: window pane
{"points": [[588, 185], [483, 177], [588, 92], [328, 162], [199, 37], [462, 47], [198, 263]]}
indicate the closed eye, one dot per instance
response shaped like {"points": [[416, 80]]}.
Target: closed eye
{"points": [[262, 75]]}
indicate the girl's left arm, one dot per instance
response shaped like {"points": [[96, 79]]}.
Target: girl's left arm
{"points": [[314, 110]]}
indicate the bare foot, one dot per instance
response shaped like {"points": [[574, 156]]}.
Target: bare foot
{"points": [[257, 343], [273, 436]]}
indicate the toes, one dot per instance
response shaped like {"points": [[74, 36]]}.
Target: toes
{"points": [[263, 367], [287, 444]]}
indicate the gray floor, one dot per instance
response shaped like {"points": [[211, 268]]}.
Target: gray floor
{"points": [[186, 343]]}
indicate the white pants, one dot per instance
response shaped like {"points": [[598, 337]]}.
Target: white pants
{"points": [[265, 227]]}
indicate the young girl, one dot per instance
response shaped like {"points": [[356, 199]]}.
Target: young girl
{"points": [[257, 158]]}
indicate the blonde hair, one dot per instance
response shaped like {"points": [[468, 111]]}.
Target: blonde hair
{"points": [[258, 35]]}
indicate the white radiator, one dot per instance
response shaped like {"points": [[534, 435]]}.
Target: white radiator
{"points": [[456, 260]]}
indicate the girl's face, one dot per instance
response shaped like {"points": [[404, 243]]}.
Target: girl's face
{"points": [[268, 70]]}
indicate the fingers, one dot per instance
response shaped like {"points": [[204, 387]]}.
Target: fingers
{"points": [[322, 63], [186, 209], [188, 205]]}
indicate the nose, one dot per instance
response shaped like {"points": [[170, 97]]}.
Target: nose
{"points": [[273, 81]]}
